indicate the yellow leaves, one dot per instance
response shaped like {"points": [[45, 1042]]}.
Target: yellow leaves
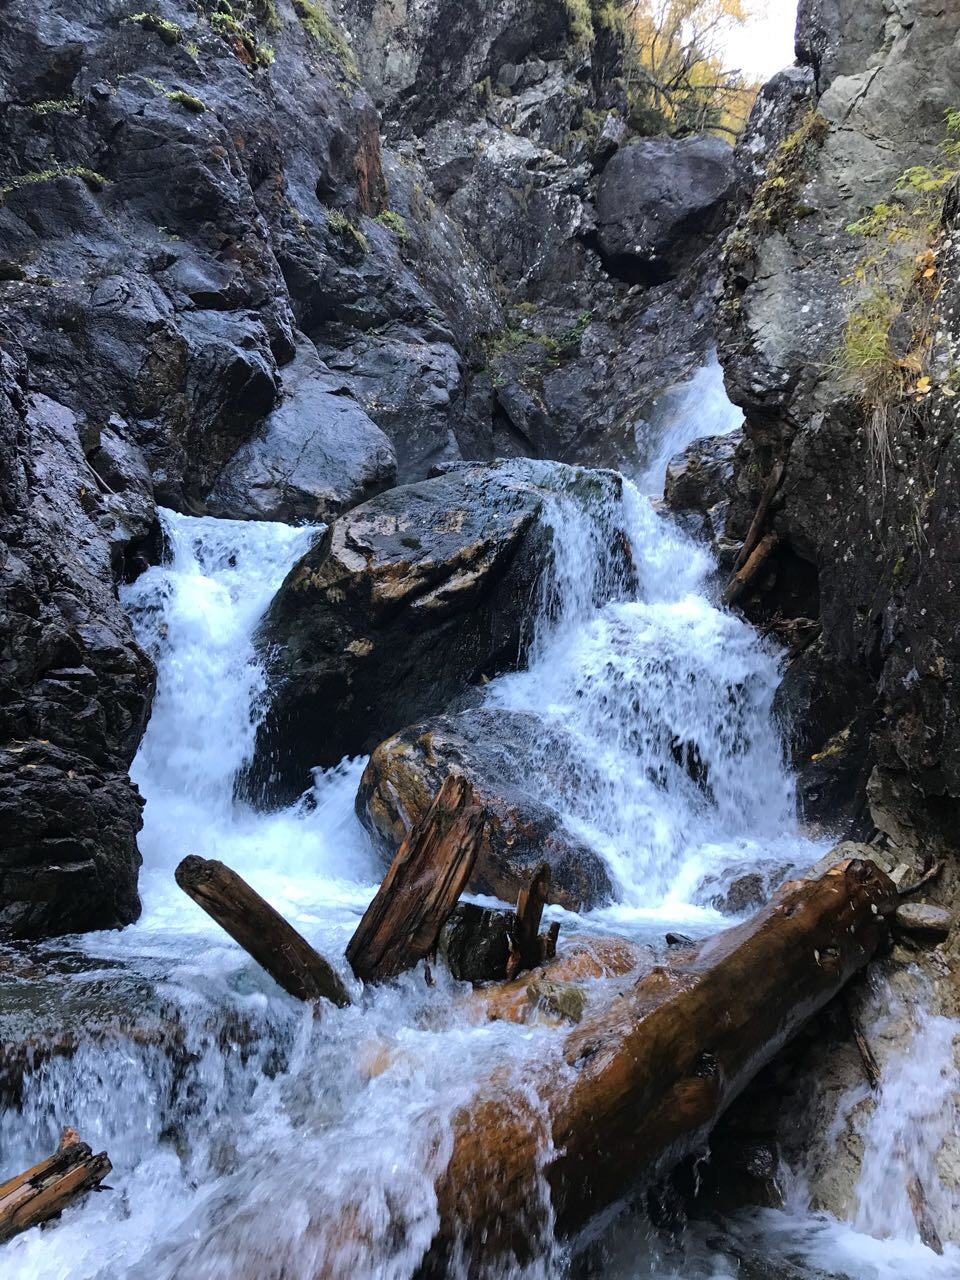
{"points": [[912, 362], [921, 387], [675, 56]]}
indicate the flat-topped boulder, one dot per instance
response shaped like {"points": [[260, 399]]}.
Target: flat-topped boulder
{"points": [[489, 747], [404, 602]]}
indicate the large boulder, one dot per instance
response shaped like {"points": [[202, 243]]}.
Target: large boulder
{"points": [[659, 202], [490, 748], [403, 602]]}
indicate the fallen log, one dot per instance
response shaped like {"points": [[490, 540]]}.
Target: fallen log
{"points": [[643, 1082], [743, 578], [402, 924], [43, 1192], [760, 515], [270, 940]]}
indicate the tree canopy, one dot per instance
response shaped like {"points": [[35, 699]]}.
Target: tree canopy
{"points": [[674, 61]]}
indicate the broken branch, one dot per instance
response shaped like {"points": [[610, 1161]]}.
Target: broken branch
{"points": [[431, 869], [261, 931]]}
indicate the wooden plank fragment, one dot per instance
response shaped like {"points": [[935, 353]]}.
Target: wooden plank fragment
{"points": [[431, 869], [45, 1190]]}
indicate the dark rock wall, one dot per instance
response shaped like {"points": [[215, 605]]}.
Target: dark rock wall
{"points": [[75, 688], [867, 510]]}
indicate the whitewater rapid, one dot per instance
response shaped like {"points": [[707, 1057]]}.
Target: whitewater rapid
{"points": [[245, 1128]]}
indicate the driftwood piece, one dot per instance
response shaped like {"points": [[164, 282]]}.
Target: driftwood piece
{"points": [[431, 869], [932, 873], [871, 1068], [490, 944], [528, 949], [921, 1213], [760, 515], [260, 930], [43, 1192], [744, 576], [646, 1079]]}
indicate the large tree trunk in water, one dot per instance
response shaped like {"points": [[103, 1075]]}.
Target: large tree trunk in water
{"points": [[644, 1081], [250, 920], [421, 888], [43, 1192]]}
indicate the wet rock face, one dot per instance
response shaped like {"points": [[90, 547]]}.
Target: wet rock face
{"points": [[490, 748], [75, 688], [232, 299], [659, 201], [509, 125], [403, 602], [316, 454], [866, 512], [182, 203]]}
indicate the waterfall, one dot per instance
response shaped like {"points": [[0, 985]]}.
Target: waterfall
{"points": [[243, 1130], [683, 413]]}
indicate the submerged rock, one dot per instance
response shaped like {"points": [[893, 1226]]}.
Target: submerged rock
{"points": [[490, 748], [475, 943]]}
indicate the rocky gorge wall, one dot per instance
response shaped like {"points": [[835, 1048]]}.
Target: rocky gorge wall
{"points": [[837, 330], [265, 260], [836, 327]]}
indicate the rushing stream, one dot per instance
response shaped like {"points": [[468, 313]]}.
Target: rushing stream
{"points": [[242, 1130]]}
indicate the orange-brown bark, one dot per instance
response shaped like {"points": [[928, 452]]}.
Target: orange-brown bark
{"points": [[644, 1080]]}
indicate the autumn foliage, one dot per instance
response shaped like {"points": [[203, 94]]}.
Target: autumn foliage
{"points": [[674, 62]]}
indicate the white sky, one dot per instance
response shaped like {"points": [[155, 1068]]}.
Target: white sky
{"points": [[765, 44]]}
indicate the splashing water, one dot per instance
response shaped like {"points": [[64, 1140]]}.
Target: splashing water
{"points": [[244, 1132], [689, 411], [659, 744], [904, 1130]]}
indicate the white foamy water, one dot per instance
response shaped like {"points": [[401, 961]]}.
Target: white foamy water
{"points": [[689, 411], [903, 1129], [244, 1132]]}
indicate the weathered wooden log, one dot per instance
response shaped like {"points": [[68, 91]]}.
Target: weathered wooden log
{"points": [[260, 930], [760, 515], [529, 949], [431, 869], [743, 578], [645, 1080], [43, 1192]]}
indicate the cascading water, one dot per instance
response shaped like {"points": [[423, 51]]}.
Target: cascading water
{"points": [[683, 413], [242, 1130], [659, 745]]}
